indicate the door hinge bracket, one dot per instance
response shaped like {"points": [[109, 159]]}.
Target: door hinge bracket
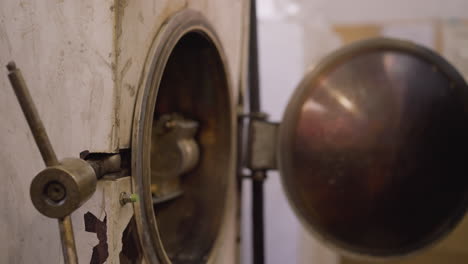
{"points": [[262, 141]]}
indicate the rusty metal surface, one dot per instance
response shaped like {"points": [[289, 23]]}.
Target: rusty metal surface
{"points": [[371, 149]]}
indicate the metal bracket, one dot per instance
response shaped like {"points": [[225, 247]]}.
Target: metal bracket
{"points": [[262, 140]]}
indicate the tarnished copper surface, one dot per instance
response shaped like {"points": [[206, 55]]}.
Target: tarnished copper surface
{"points": [[373, 148]]}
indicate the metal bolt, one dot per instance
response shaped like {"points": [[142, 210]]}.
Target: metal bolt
{"points": [[55, 191], [128, 198]]}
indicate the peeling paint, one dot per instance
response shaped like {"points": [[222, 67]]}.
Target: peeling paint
{"points": [[94, 225], [131, 250]]}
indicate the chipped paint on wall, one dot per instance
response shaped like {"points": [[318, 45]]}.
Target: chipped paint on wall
{"points": [[101, 221], [94, 225]]}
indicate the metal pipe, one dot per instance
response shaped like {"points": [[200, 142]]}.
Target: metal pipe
{"points": [[32, 116], [68, 240], [254, 83], [258, 177], [257, 217], [47, 152]]}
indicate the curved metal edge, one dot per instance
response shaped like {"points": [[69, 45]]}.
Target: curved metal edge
{"points": [[290, 117], [171, 32]]}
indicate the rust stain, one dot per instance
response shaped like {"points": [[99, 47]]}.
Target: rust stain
{"points": [[119, 8], [119, 11], [104, 60], [131, 89], [125, 68]]}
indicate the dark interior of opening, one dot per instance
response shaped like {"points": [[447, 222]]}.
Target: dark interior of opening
{"points": [[194, 84]]}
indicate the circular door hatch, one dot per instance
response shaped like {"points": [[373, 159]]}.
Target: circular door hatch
{"points": [[183, 143], [372, 148]]}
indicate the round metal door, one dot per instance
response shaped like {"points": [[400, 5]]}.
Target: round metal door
{"points": [[372, 148]]}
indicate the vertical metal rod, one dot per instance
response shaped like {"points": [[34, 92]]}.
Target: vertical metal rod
{"points": [[254, 83], [47, 152], [239, 173], [32, 116], [258, 177], [68, 240], [257, 217]]}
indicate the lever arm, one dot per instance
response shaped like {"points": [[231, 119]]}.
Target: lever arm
{"points": [[48, 155]]}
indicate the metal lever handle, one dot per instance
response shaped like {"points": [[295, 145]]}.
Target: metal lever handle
{"points": [[32, 116], [47, 152]]}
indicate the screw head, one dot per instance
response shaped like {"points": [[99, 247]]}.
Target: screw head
{"points": [[128, 198], [55, 192]]}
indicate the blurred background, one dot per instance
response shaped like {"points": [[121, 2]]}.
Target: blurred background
{"points": [[294, 35]]}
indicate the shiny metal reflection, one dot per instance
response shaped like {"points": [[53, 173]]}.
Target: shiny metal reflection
{"points": [[372, 148]]}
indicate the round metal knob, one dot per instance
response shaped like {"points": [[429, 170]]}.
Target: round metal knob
{"points": [[59, 190]]}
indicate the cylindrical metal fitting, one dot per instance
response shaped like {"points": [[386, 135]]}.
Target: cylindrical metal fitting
{"points": [[59, 190], [177, 152], [189, 153]]}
